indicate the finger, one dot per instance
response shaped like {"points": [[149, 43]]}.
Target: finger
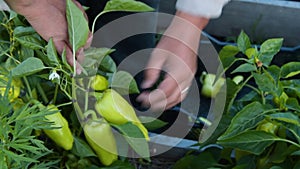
{"points": [[81, 8], [158, 99], [148, 100], [174, 92], [153, 68], [80, 55], [89, 41], [60, 47], [171, 89]]}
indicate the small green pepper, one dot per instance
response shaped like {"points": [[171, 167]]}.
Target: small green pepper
{"points": [[268, 127], [115, 109], [238, 79], [211, 88], [100, 137], [99, 82], [61, 136], [251, 52]]}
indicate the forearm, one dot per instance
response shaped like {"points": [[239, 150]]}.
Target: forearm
{"points": [[20, 5], [198, 21], [34, 8]]}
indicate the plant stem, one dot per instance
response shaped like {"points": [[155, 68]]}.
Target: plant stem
{"points": [[86, 104], [28, 87], [263, 99], [289, 141], [64, 104], [238, 90], [96, 18], [253, 88], [74, 61], [55, 94], [41, 91], [75, 103], [8, 55]]}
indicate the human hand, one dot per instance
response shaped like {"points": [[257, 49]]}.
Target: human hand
{"points": [[176, 54], [48, 18]]}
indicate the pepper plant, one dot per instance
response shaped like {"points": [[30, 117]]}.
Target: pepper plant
{"points": [[48, 117], [260, 124]]}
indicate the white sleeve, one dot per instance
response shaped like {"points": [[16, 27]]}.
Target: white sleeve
{"points": [[205, 8]]}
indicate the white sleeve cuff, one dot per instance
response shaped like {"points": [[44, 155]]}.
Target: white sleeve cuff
{"points": [[205, 8]]}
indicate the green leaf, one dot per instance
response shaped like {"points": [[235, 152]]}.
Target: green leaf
{"points": [[251, 53], [29, 66], [52, 53], [78, 29], [94, 56], [25, 53], [3, 162], [231, 93], [30, 41], [127, 6], [251, 96], [290, 69], [268, 50], [64, 60], [244, 120], [251, 141], [296, 153], [222, 126], [135, 138], [152, 123], [276, 167], [279, 153], [246, 67], [287, 117], [12, 15], [227, 55], [17, 157], [20, 31], [294, 129], [203, 160], [82, 149], [28, 37], [124, 83], [265, 82], [275, 73], [293, 104], [119, 165], [108, 65], [243, 42], [297, 165]]}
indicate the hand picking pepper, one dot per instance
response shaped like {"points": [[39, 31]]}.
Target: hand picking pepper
{"points": [[99, 82], [61, 136], [211, 88], [99, 135], [115, 109]]}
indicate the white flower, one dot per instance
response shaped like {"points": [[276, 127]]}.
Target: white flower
{"points": [[54, 75]]}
